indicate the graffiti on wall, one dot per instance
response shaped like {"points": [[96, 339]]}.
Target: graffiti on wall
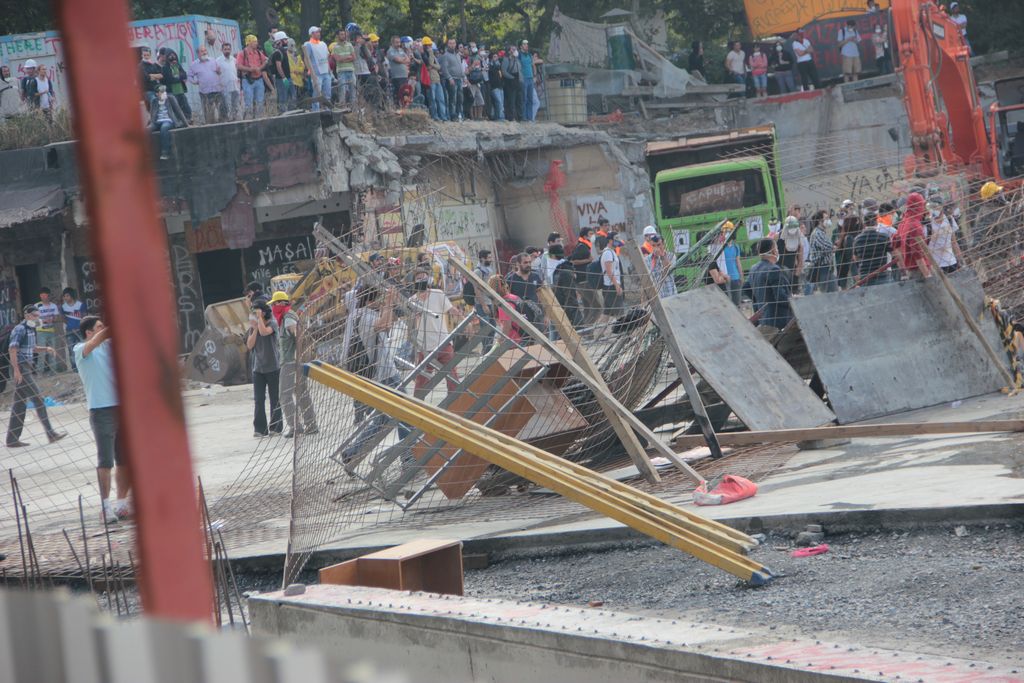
{"points": [[191, 318], [184, 35], [265, 260], [88, 285], [469, 225], [592, 208], [9, 314], [827, 192]]}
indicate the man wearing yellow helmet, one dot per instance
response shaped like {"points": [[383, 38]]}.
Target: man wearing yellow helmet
{"points": [[989, 190], [436, 99], [292, 381], [729, 261], [250, 63]]}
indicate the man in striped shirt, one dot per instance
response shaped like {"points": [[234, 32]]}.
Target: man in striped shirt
{"points": [[23, 349]]}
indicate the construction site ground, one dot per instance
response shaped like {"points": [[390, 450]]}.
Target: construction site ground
{"points": [[927, 552], [866, 483]]}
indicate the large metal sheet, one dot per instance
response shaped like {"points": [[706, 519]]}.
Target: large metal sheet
{"points": [[900, 346], [733, 357]]}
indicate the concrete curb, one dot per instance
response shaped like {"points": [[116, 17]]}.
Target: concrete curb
{"points": [[447, 638], [529, 544]]}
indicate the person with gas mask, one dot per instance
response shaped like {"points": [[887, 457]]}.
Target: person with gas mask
{"points": [[22, 348]]}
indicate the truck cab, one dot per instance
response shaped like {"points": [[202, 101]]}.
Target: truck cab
{"points": [[702, 180]]}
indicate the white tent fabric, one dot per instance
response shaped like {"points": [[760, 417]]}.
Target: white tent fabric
{"points": [[586, 44]]}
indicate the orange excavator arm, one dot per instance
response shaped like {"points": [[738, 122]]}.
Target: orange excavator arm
{"points": [[947, 122]]}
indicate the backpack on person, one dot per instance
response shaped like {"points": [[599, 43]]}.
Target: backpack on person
{"points": [[594, 274], [529, 310], [358, 360], [565, 290], [469, 291]]}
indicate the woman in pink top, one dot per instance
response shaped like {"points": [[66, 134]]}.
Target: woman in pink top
{"points": [[759, 71], [505, 324]]}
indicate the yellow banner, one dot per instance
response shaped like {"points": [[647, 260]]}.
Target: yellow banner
{"points": [[771, 17]]}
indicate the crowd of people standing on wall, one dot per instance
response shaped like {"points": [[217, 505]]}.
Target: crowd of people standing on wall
{"points": [[453, 80], [792, 62]]}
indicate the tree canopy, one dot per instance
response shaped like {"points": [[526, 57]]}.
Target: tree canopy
{"points": [[494, 22]]}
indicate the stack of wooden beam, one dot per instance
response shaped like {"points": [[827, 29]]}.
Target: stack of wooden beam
{"points": [[705, 539]]}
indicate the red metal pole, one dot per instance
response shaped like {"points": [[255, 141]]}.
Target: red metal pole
{"points": [[130, 248]]}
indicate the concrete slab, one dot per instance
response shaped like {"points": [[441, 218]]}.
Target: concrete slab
{"points": [[734, 358], [900, 346], [447, 638]]}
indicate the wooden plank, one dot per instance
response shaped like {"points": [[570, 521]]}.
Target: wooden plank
{"points": [[608, 401], [459, 476], [895, 429], [522, 460], [519, 454], [650, 293], [733, 357], [407, 551], [342, 574], [573, 342]]}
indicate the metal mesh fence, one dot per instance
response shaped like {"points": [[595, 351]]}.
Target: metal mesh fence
{"points": [[350, 471]]}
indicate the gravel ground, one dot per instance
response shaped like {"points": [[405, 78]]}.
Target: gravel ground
{"points": [[954, 591]]}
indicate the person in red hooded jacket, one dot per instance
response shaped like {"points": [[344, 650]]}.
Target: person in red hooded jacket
{"points": [[909, 242]]}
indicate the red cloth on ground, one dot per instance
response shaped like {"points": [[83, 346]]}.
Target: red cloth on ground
{"points": [[729, 490]]}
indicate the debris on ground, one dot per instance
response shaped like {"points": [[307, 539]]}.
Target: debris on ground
{"points": [[905, 589]]}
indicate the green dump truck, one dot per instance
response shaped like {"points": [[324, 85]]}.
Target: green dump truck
{"points": [[703, 179]]}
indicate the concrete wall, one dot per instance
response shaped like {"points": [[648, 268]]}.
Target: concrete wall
{"points": [[456, 202], [600, 177], [591, 189], [835, 144], [450, 639]]}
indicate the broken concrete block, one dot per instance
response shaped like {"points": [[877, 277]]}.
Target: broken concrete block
{"points": [[360, 145], [359, 176], [813, 534]]}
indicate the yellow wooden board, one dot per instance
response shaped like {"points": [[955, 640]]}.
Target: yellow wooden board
{"points": [[772, 17]]}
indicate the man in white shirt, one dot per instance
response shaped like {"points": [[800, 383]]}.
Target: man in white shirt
{"points": [[315, 54], [229, 87], [545, 267], [942, 238], [611, 278], [960, 19], [429, 308], [46, 333], [804, 52], [849, 39], [95, 360], [382, 334], [735, 63]]}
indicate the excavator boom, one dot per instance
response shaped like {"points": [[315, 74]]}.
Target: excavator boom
{"points": [[947, 122]]}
